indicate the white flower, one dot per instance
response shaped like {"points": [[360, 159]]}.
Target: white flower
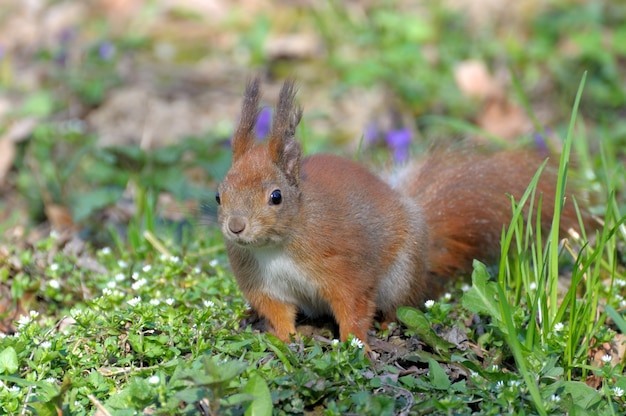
{"points": [[555, 398], [14, 389], [107, 292], [51, 380], [622, 303], [334, 343], [155, 302], [500, 384], [618, 392], [120, 277], [46, 344], [356, 343], [213, 263], [134, 301], [33, 314], [606, 358], [197, 270], [162, 257], [23, 321], [174, 259], [533, 286], [208, 303], [54, 284], [154, 379], [558, 327], [111, 284], [169, 301], [122, 264], [515, 383], [620, 282], [429, 303], [54, 267], [146, 268], [465, 287], [495, 367], [447, 296], [139, 283], [54, 235], [106, 251]]}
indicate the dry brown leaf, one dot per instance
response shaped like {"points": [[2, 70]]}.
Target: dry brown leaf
{"points": [[18, 131], [65, 323], [7, 155], [21, 129], [60, 217], [615, 349], [293, 46], [8, 310], [594, 381], [504, 119], [474, 80]]}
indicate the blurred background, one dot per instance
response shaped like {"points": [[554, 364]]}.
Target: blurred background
{"points": [[111, 109]]}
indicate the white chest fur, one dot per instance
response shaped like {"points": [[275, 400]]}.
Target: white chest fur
{"points": [[284, 280]]}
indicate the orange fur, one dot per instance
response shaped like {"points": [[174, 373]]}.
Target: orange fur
{"points": [[323, 235]]}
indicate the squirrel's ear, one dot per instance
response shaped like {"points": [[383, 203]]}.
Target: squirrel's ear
{"points": [[243, 138], [284, 150]]}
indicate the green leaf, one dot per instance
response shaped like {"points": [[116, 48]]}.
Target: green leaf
{"points": [[191, 395], [438, 376], [8, 361], [418, 322], [581, 394], [40, 103], [262, 403], [86, 203], [617, 318], [218, 372], [45, 409], [482, 297]]}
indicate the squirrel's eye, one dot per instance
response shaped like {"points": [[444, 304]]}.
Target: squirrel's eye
{"points": [[217, 198], [276, 197]]}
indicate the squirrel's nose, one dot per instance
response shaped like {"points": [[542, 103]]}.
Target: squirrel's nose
{"points": [[236, 225]]}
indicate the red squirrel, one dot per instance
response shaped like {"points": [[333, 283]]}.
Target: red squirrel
{"points": [[323, 235]]}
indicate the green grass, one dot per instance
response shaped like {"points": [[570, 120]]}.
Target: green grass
{"points": [[145, 318]]}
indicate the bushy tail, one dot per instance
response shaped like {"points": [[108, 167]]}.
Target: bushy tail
{"points": [[465, 198]]}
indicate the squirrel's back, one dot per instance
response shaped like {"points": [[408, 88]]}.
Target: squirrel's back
{"points": [[465, 197]]}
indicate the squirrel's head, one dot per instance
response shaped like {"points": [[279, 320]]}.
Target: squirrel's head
{"points": [[259, 198]]}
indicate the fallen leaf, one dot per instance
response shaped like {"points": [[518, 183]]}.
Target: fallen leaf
{"points": [[293, 46], [60, 217], [504, 119], [474, 80], [7, 155], [615, 349]]}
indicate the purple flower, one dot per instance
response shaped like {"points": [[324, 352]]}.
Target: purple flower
{"points": [[264, 123], [106, 50], [541, 139], [399, 141], [61, 57], [67, 35], [371, 134]]}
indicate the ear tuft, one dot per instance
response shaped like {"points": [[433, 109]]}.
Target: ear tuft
{"points": [[243, 138], [284, 149]]}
